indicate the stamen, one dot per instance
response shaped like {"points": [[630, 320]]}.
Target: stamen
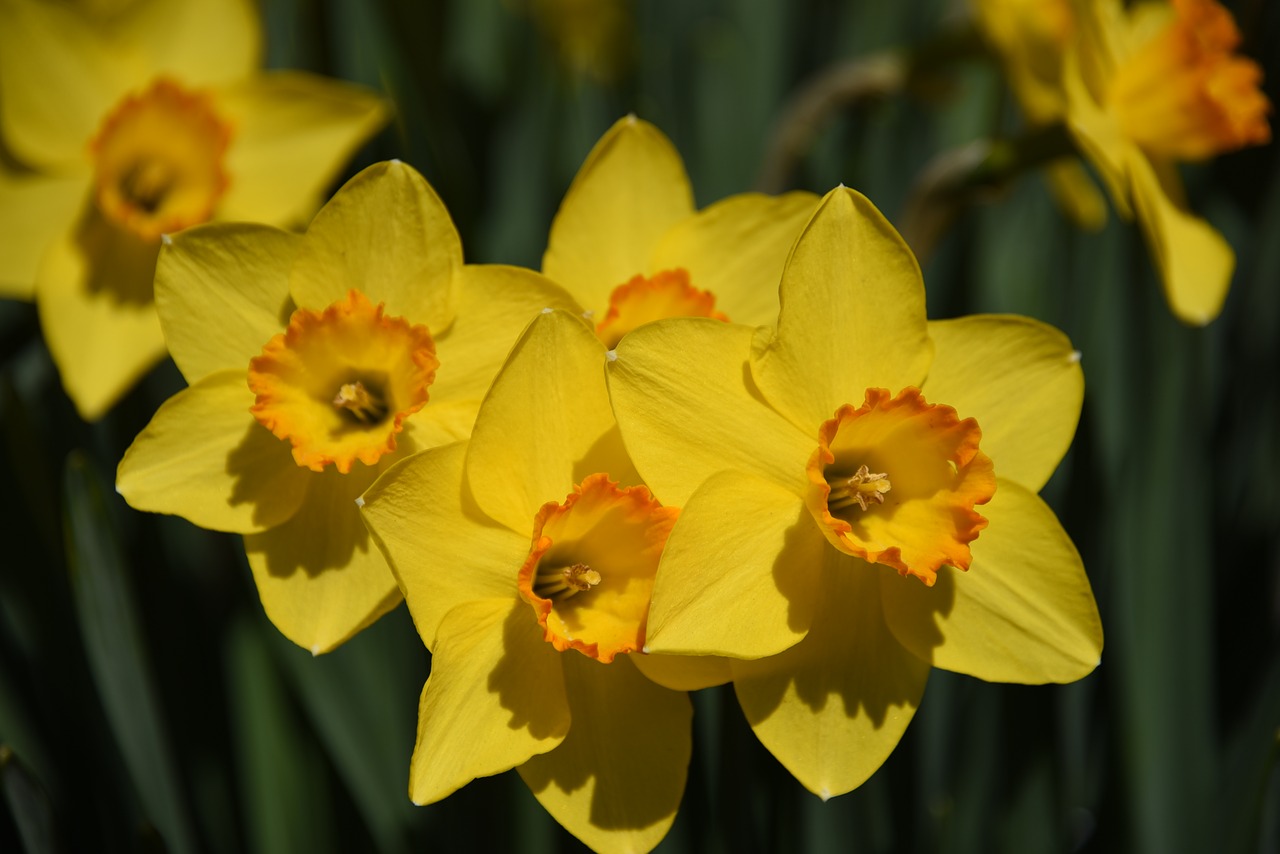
{"points": [[862, 488], [146, 183], [562, 583], [363, 406]]}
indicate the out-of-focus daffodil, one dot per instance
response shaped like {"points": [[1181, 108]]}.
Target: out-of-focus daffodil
{"points": [[1031, 38], [590, 37], [522, 559], [315, 361], [629, 246], [124, 122], [838, 477], [1147, 88]]}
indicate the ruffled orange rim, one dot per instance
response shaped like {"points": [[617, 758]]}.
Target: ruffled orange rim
{"points": [[646, 299], [895, 481], [338, 384], [159, 160], [590, 569], [1185, 94]]}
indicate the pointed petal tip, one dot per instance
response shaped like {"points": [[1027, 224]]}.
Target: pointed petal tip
{"points": [[316, 651], [166, 240], [360, 501], [645, 649], [548, 310], [1075, 357], [611, 355], [825, 794]]}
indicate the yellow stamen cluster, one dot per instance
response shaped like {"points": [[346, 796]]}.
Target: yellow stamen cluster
{"points": [[360, 403], [862, 488], [563, 583]]}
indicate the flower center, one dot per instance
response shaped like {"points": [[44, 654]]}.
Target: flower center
{"points": [[861, 488], [158, 160], [925, 518], [644, 300], [338, 384], [1184, 94], [591, 566]]}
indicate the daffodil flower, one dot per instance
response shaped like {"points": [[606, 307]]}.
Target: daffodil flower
{"points": [[315, 361], [629, 246], [133, 122], [1153, 86], [1031, 38], [527, 569], [858, 495]]}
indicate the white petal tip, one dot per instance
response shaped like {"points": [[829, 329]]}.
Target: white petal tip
{"points": [[589, 315], [548, 310], [612, 355], [645, 649], [166, 240], [1075, 357], [315, 651], [825, 795], [397, 161], [632, 119], [360, 501]]}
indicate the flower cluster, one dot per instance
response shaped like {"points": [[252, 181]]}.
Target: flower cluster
{"points": [[697, 448]]}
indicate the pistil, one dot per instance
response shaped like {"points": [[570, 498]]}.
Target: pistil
{"points": [[863, 488], [560, 584], [361, 404]]}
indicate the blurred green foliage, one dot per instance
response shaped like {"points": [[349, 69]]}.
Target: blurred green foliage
{"points": [[145, 702]]}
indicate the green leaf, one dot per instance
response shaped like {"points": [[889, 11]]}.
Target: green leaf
{"points": [[28, 803], [116, 652]]}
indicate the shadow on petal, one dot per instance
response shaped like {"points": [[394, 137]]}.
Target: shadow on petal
{"points": [[117, 263], [527, 656]]}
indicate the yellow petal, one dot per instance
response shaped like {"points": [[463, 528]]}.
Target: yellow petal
{"points": [[237, 273], [630, 190], [740, 572], [62, 68], [546, 423], [443, 550], [736, 249], [1083, 74], [34, 211], [494, 305], [1194, 260], [440, 423], [852, 316], [495, 698], [204, 458], [616, 780], [385, 233], [97, 313], [320, 577], [833, 707], [1076, 194], [293, 133], [1024, 612], [684, 672], [681, 396], [1020, 379]]}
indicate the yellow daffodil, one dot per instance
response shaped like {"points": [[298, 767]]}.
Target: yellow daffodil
{"points": [[629, 246], [526, 557], [127, 122], [1031, 39], [1147, 88], [315, 361], [858, 495]]}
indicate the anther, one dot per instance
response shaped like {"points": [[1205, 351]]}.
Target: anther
{"points": [[862, 488], [565, 582], [365, 407]]}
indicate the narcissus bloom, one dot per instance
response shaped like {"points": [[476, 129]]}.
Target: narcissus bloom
{"points": [[314, 362], [1147, 88], [1031, 38], [134, 121], [858, 495], [526, 558], [629, 246]]}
